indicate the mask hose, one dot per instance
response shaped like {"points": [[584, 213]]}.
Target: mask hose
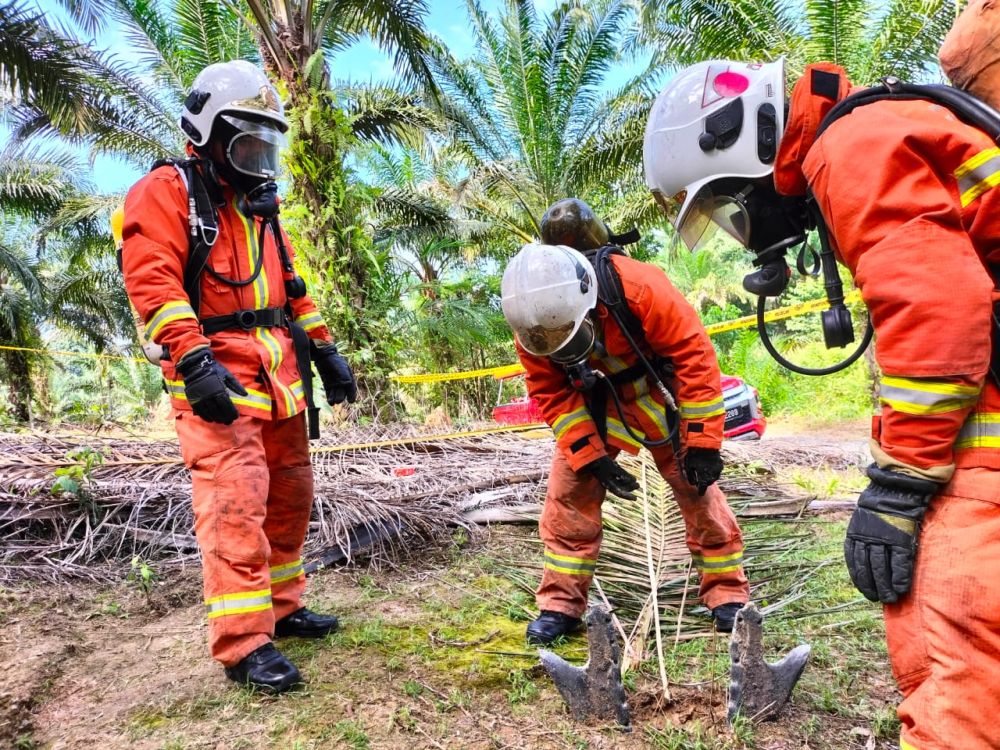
{"points": [[837, 330], [669, 406]]}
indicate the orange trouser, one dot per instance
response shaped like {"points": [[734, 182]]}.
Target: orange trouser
{"points": [[253, 493], [944, 638], [571, 529]]}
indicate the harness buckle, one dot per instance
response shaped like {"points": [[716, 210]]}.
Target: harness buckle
{"points": [[246, 319]]}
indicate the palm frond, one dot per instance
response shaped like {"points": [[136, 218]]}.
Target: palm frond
{"points": [[386, 114]]}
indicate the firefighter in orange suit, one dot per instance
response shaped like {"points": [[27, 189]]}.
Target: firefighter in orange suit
{"points": [[907, 192], [570, 347], [209, 269]]}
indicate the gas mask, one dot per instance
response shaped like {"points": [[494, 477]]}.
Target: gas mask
{"points": [[251, 161], [574, 356]]}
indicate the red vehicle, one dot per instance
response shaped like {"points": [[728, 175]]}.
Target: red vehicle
{"points": [[744, 418]]}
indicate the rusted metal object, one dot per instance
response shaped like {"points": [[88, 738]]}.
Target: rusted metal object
{"points": [[757, 689], [595, 690]]}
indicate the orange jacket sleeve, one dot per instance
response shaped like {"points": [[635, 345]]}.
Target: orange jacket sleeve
{"points": [[563, 408], [304, 309], [888, 178], [673, 329], [154, 253]]}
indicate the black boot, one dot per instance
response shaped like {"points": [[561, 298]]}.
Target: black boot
{"points": [[265, 669], [725, 616], [305, 624], [551, 625]]}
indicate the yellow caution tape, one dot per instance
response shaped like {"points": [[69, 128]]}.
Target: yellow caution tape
{"points": [[81, 355], [503, 370], [748, 321]]}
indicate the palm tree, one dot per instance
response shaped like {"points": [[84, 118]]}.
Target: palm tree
{"points": [[870, 39], [530, 115]]}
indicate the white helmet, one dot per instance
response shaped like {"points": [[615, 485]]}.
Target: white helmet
{"points": [[234, 88], [715, 120], [546, 293]]}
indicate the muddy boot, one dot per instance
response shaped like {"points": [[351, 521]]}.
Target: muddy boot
{"points": [[725, 615], [551, 625], [265, 669], [305, 624]]}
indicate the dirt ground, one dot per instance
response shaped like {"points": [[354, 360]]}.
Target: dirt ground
{"points": [[430, 655]]}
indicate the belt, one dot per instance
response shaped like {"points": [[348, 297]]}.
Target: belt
{"points": [[247, 320]]}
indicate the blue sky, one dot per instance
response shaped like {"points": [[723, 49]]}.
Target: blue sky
{"points": [[362, 62]]}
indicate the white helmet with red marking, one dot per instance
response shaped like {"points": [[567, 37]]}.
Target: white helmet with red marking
{"points": [[714, 121]]}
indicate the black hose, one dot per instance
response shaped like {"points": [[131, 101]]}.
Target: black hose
{"points": [[766, 340], [672, 428]]}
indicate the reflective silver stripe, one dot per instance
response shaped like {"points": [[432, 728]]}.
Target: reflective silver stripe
{"points": [[253, 398], [571, 565], [719, 564], [310, 321], [617, 429], [655, 412], [170, 312], [710, 409], [978, 174], [566, 421], [238, 604], [919, 396], [286, 572], [615, 364], [980, 430]]}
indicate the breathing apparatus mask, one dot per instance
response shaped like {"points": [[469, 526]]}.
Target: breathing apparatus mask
{"points": [[574, 356], [250, 161], [769, 224], [251, 151]]}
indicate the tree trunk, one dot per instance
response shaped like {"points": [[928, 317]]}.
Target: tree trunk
{"points": [[18, 379]]}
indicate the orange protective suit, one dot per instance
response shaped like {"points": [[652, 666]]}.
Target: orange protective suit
{"points": [[571, 522], [908, 193], [252, 479]]}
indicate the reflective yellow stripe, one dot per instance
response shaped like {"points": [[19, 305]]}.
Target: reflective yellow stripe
{"points": [[702, 409], [719, 564], [565, 422], [978, 174], [617, 429], [274, 347], [569, 571], [913, 396], [904, 745], [311, 321], [722, 558], [655, 413], [253, 399], [567, 558], [981, 430], [286, 572], [238, 603], [176, 310], [260, 291], [615, 364]]}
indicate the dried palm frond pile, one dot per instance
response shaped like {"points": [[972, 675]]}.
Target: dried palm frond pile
{"points": [[137, 499], [387, 486]]}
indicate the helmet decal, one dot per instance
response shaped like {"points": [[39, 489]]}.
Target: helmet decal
{"points": [[730, 83]]}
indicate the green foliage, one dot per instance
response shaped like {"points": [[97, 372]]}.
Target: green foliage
{"points": [[76, 477], [142, 576]]}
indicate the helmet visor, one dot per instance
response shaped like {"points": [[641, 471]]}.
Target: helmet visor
{"points": [[256, 149], [708, 211]]}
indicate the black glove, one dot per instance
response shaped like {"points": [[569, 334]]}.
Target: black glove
{"points": [[338, 380], [207, 385], [702, 468], [881, 539], [614, 478]]}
